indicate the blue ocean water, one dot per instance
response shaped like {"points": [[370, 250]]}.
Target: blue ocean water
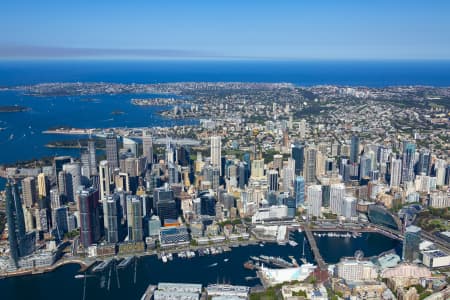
{"points": [[367, 73]]}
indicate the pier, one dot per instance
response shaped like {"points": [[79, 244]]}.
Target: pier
{"points": [[317, 256]]}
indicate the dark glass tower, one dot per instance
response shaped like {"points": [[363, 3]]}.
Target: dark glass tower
{"points": [[354, 149], [298, 154]]}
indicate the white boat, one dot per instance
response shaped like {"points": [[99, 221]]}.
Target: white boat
{"points": [[293, 243], [226, 259], [213, 265], [164, 258]]}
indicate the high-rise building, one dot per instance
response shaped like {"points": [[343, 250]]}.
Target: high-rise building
{"points": [[314, 200], [424, 164], [216, 152], [297, 153], [299, 191], [111, 220], [337, 194], [73, 180], [354, 149], [105, 179], [88, 207], [58, 163], [29, 191], [409, 152], [257, 169], [134, 219], [16, 223], [112, 152], [309, 168], [349, 207], [396, 172], [365, 166], [208, 204], [43, 185], [147, 146], [273, 180], [440, 166], [411, 243], [92, 157]]}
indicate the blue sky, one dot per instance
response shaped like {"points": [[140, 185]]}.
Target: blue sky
{"points": [[295, 29]]}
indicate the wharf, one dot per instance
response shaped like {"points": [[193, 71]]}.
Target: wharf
{"points": [[317, 256]]}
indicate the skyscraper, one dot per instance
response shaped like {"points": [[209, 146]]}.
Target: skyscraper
{"points": [[409, 151], [134, 219], [337, 194], [314, 200], [273, 180], [349, 207], [111, 220], [309, 172], [424, 163], [29, 191], [411, 243], [43, 186], [105, 179], [16, 224], [297, 153], [299, 191], [112, 152], [216, 152], [396, 172], [73, 179], [354, 149], [365, 166], [147, 146], [89, 216]]}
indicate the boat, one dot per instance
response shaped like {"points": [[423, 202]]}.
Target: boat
{"points": [[261, 244], [81, 276], [213, 265], [226, 259], [11, 136], [303, 258], [248, 265], [292, 243]]}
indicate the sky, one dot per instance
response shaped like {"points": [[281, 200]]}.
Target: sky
{"points": [[278, 29]]}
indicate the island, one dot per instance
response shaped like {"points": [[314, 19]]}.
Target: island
{"points": [[12, 108]]}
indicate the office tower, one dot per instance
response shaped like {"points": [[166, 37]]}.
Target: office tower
{"points": [[309, 168], [440, 167], [299, 191], [208, 204], [411, 243], [60, 221], [272, 178], [112, 152], [73, 180], [326, 191], [134, 219], [88, 208], [92, 157], [154, 226], [354, 149], [396, 172], [62, 184], [365, 166], [105, 179], [424, 164], [55, 198], [183, 156], [257, 169], [314, 200], [147, 146], [337, 194], [212, 174], [130, 146], [409, 151], [16, 224], [447, 175], [320, 164], [29, 191], [288, 178], [242, 175], [349, 207], [164, 204], [58, 163], [111, 220], [173, 174], [43, 185], [277, 162], [297, 154], [216, 152]]}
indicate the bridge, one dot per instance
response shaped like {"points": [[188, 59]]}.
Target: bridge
{"points": [[317, 256]]}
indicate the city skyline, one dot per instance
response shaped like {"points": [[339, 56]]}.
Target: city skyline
{"points": [[324, 30]]}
